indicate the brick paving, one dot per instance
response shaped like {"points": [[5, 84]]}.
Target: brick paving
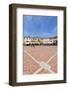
{"points": [[40, 54]]}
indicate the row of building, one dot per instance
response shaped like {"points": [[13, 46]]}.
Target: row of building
{"points": [[40, 41]]}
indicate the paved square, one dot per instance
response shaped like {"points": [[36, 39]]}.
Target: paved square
{"points": [[40, 59]]}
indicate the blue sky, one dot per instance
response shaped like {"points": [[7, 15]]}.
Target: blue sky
{"points": [[40, 26]]}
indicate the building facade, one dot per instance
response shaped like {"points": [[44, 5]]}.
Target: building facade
{"points": [[40, 41]]}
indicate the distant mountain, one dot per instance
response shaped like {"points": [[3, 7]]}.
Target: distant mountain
{"points": [[40, 37]]}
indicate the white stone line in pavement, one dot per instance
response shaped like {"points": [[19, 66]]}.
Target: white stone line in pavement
{"points": [[32, 57], [45, 68], [51, 58], [50, 70], [40, 63], [38, 70]]}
